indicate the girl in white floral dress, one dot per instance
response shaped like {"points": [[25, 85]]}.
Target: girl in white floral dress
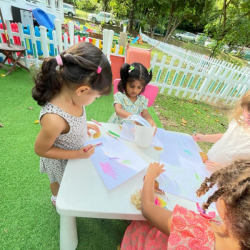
{"points": [[65, 84], [129, 101]]}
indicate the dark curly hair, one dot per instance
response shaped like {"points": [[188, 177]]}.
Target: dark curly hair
{"points": [[139, 73], [234, 188], [80, 64]]}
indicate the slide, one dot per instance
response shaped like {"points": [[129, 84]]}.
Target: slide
{"points": [[135, 40], [51, 17], [42, 18]]}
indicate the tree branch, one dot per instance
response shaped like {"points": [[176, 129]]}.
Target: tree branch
{"points": [[228, 3]]}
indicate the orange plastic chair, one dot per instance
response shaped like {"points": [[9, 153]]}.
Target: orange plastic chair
{"points": [[150, 92]]}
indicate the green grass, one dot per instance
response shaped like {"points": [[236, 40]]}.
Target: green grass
{"points": [[28, 219], [202, 117], [82, 14]]}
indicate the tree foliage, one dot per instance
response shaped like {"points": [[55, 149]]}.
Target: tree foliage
{"points": [[228, 22]]}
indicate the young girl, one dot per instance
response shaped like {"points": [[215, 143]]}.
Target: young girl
{"points": [[183, 229], [235, 142], [128, 100], [66, 84]]}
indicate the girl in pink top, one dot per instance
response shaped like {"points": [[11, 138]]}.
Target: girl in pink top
{"points": [[183, 229]]}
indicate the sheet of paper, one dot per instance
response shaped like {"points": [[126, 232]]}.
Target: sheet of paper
{"points": [[115, 162], [139, 119], [128, 133], [185, 170]]}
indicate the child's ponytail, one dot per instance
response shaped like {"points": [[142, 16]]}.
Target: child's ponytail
{"points": [[81, 64], [124, 73], [48, 82], [134, 72]]}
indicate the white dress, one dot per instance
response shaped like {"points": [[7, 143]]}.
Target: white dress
{"points": [[234, 144]]}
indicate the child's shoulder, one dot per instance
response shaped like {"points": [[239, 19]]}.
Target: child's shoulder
{"points": [[142, 97], [119, 94]]}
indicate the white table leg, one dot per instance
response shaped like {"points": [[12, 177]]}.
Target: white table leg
{"points": [[68, 233]]}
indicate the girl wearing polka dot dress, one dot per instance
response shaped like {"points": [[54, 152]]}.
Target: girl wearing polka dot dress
{"points": [[64, 86], [182, 229]]}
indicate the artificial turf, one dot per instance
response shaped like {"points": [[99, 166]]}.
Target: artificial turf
{"points": [[28, 219]]}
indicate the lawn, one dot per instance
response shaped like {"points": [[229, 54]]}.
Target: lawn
{"points": [[28, 219]]}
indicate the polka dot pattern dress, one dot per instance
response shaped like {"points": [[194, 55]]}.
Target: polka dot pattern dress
{"points": [[73, 140], [189, 231]]}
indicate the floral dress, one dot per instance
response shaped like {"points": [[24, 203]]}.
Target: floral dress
{"points": [[189, 231], [134, 108]]}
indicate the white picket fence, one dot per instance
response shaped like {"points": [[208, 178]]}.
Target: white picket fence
{"points": [[58, 43], [189, 56], [209, 84], [186, 74]]}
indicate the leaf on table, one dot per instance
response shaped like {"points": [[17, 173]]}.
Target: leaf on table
{"points": [[183, 120], [30, 108], [36, 121], [1, 125], [184, 124]]}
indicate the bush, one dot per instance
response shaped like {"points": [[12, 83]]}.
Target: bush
{"points": [[86, 4]]}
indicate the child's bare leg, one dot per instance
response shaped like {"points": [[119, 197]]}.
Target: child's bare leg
{"points": [[54, 186]]}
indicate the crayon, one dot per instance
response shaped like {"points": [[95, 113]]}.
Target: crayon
{"points": [[113, 133], [96, 145], [98, 123]]}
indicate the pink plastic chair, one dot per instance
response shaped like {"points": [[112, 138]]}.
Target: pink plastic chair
{"points": [[150, 92]]}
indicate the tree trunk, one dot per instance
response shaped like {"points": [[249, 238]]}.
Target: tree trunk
{"points": [[169, 21], [214, 49], [224, 15], [152, 31], [132, 13], [172, 29]]}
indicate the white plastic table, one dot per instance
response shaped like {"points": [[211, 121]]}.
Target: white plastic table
{"points": [[83, 194]]}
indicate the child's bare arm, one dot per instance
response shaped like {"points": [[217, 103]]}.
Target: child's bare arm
{"points": [[148, 117], [207, 138], [159, 217], [52, 126], [120, 111]]}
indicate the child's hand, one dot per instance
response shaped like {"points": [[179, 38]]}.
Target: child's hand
{"points": [[154, 170], [213, 166], [198, 137], [152, 123], [86, 152], [92, 126]]}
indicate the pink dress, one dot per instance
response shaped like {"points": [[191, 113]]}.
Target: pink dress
{"points": [[189, 231]]}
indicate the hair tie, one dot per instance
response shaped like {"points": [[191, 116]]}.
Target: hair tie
{"points": [[59, 60], [149, 70], [131, 68], [99, 70]]}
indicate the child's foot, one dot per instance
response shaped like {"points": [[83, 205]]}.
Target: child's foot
{"points": [[53, 200]]}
